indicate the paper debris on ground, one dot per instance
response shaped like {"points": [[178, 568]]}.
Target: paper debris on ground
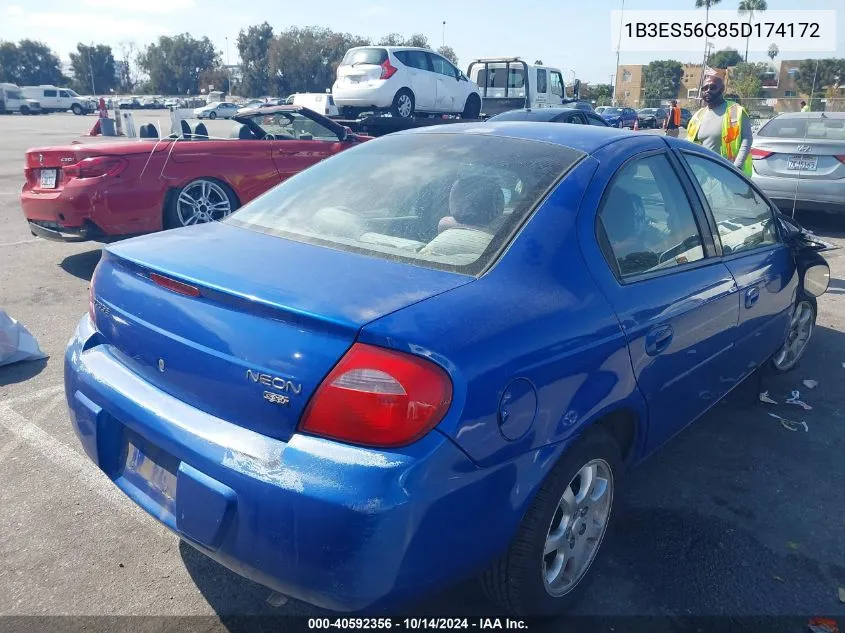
{"points": [[764, 397], [811, 384], [790, 425], [277, 599], [16, 343], [795, 399]]}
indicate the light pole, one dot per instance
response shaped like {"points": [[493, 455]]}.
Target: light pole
{"points": [[444, 32], [91, 71], [618, 46]]}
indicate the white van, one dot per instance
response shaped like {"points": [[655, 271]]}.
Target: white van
{"points": [[510, 83], [54, 99], [12, 100], [319, 102]]}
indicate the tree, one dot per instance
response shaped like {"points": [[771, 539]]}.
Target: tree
{"points": [[662, 79], [449, 53], [538, 62], [93, 65], [216, 78], [30, 63], [829, 73], [745, 79], [254, 49], [306, 59], [127, 67], [417, 40], [749, 8], [600, 93], [773, 51], [724, 58], [174, 63]]}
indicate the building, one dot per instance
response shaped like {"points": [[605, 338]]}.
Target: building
{"points": [[630, 85]]}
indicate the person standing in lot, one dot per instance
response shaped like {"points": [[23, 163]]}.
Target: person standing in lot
{"points": [[722, 126], [804, 107], [672, 124]]}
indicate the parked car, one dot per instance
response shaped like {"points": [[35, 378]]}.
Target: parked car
{"points": [[54, 99], [601, 109], [251, 105], [653, 118], [551, 115], [799, 158], [159, 183], [620, 117], [13, 100], [337, 415], [217, 110], [403, 80], [686, 115], [320, 102]]}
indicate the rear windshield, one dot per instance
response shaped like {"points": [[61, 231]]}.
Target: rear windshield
{"points": [[540, 114], [445, 201], [805, 127], [374, 56], [612, 111]]}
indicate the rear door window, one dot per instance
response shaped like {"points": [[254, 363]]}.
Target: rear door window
{"points": [[413, 59], [646, 221], [442, 67]]}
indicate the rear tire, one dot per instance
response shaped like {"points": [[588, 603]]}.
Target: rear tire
{"points": [[472, 108], [203, 199], [518, 580], [76, 109], [403, 104]]}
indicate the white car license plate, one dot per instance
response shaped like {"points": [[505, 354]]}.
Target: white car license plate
{"points": [[48, 179], [802, 163]]}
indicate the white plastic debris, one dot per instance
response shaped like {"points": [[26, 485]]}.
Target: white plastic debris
{"points": [[16, 343], [811, 384], [764, 397], [276, 599], [795, 399], [790, 425]]}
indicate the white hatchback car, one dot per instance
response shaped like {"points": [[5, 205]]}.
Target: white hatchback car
{"points": [[218, 109], [403, 80]]}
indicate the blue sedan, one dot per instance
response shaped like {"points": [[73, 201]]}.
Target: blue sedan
{"points": [[620, 117], [434, 355]]}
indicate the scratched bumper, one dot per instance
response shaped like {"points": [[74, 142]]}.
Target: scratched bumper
{"points": [[336, 526]]}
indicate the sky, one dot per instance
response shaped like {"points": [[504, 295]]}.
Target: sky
{"points": [[573, 36]]}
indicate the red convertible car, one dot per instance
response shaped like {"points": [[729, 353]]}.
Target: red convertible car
{"points": [[113, 189]]}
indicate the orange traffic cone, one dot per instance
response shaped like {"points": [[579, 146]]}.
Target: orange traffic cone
{"points": [[636, 124], [95, 131]]}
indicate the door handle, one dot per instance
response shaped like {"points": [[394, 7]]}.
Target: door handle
{"points": [[658, 339], [751, 296]]}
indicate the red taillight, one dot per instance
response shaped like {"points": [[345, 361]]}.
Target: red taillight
{"points": [[840, 157], [387, 70], [96, 166], [175, 286], [760, 153], [379, 397]]}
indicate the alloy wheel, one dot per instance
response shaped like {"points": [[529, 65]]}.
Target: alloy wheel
{"points": [[577, 528], [202, 201], [800, 330], [403, 105]]}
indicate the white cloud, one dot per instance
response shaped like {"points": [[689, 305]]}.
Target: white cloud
{"points": [[14, 9], [87, 26], [158, 7]]}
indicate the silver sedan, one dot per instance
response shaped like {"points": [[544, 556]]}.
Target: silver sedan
{"points": [[800, 157]]}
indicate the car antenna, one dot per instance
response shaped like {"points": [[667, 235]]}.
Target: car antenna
{"points": [[806, 129]]}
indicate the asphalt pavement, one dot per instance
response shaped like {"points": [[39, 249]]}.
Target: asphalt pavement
{"points": [[738, 516]]}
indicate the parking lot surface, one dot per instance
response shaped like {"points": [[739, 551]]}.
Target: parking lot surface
{"points": [[737, 516]]}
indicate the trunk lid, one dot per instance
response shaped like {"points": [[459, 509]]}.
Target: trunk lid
{"points": [[43, 167], [361, 65], [813, 159], [273, 316]]}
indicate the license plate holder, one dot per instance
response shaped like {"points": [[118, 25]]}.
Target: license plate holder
{"points": [[802, 163], [152, 471], [47, 178]]}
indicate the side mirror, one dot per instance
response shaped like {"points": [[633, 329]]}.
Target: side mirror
{"points": [[817, 278]]}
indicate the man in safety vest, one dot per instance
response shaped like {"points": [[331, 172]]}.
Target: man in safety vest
{"points": [[673, 120], [722, 126]]}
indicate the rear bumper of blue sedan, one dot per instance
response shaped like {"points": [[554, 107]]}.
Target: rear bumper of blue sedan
{"points": [[340, 527]]}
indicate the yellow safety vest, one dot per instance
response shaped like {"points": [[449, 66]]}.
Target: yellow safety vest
{"points": [[731, 133]]}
